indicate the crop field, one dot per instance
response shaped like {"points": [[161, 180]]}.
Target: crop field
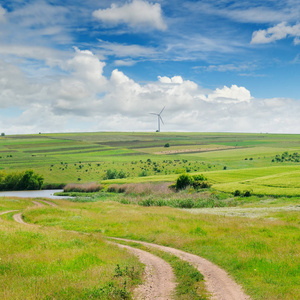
{"points": [[64, 252], [230, 161]]}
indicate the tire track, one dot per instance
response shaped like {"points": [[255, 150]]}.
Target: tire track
{"points": [[159, 277], [48, 202], [218, 282], [19, 218], [7, 212]]}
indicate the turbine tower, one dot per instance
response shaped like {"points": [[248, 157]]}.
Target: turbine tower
{"points": [[159, 118]]}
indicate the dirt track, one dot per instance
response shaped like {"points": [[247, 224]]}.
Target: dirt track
{"points": [[7, 212], [218, 282], [159, 278]]}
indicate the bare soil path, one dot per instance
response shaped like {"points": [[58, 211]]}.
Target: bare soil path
{"points": [[18, 218], [159, 277], [38, 204], [7, 212], [48, 202], [218, 282]]}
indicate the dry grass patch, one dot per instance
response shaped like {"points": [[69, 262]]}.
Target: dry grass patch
{"points": [[83, 187]]}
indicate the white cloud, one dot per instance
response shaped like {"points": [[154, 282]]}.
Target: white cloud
{"points": [[51, 56], [278, 32], [87, 66], [175, 79], [227, 67], [125, 63], [249, 11], [39, 14], [122, 50], [138, 13], [84, 99], [230, 95]]}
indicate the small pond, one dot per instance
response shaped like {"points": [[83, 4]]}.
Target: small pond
{"points": [[34, 194]]}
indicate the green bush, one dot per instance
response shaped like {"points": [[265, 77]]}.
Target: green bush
{"points": [[200, 177], [196, 181], [111, 174], [237, 193], [247, 193], [183, 181]]}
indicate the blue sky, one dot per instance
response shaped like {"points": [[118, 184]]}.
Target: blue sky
{"points": [[222, 65]]}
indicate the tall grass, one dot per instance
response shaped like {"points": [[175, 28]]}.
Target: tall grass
{"points": [[83, 187], [160, 194]]}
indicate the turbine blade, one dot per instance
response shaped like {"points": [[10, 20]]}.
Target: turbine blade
{"points": [[153, 114], [161, 119], [162, 110]]}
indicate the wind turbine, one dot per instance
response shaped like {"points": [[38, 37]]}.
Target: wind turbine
{"points": [[159, 118]]}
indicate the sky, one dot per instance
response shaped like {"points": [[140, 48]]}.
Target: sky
{"points": [[86, 66]]}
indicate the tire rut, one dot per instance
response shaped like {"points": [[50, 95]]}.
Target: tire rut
{"points": [[7, 212], [159, 277], [218, 282]]}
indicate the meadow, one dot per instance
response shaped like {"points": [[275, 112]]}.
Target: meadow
{"points": [[255, 239]]}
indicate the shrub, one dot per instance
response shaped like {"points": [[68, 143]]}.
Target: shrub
{"points": [[184, 181], [237, 193], [144, 173], [247, 193], [111, 174], [167, 145], [200, 177], [122, 174]]}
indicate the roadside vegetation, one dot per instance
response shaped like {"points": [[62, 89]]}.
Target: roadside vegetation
{"points": [[37, 263]]}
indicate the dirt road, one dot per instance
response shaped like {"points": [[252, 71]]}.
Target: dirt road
{"points": [[218, 282], [159, 277], [7, 212]]}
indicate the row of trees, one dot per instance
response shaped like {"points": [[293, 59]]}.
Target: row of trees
{"points": [[19, 181], [285, 156]]}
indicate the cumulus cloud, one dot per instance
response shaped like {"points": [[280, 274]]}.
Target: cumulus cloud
{"points": [[138, 13], [175, 79], [230, 95], [277, 32], [83, 98]]}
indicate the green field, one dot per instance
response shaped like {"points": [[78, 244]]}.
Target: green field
{"points": [[65, 255], [230, 161]]}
